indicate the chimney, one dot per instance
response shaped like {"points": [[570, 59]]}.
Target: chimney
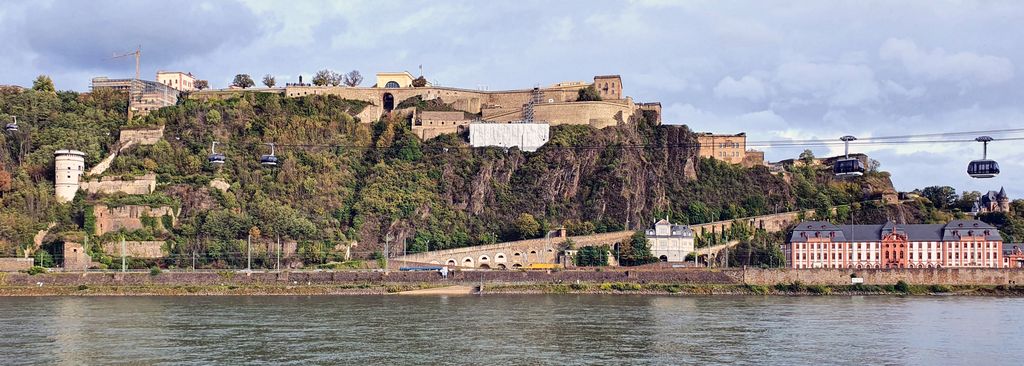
{"points": [[300, 79]]}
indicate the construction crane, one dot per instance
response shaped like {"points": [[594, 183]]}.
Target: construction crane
{"points": [[137, 54]]}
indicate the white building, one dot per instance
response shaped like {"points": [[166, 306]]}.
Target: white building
{"points": [[68, 167], [670, 243], [526, 136]]}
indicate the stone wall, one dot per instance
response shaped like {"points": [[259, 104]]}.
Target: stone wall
{"points": [[136, 249], [141, 185], [142, 136], [919, 276], [15, 264], [75, 257], [129, 217]]}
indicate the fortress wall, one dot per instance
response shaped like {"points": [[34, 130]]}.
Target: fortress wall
{"points": [[135, 249], [598, 114], [15, 264], [142, 185], [142, 136], [915, 276], [128, 217]]}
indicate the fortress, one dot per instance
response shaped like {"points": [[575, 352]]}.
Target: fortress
{"points": [[555, 104]]}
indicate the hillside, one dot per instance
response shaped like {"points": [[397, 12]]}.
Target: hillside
{"points": [[341, 180]]}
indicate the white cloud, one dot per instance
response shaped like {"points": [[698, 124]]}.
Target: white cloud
{"points": [[965, 68], [893, 88], [747, 87], [841, 85]]}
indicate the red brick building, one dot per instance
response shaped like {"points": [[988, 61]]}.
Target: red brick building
{"points": [[959, 243]]}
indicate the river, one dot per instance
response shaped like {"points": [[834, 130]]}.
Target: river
{"points": [[534, 329]]}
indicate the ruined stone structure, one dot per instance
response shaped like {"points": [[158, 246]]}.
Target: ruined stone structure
{"points": [[430, 124], [558, 102], [129, 217], [142, 136], [75, 257], [136, 249], [141, 185], [67, 170]]}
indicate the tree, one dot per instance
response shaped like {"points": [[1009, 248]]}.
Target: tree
{"points": [[243, 81], [269, 81], [588, 94], [43, 83], [873, 165], [202, 84], [941, 197], [419, 82], [353, 78], [807, 156], [592, 256], [526, 226], [966, 201], [636, 251], [5, 180], [327, 77]]}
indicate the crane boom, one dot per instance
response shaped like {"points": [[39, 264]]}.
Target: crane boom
{"points": [[138, 54]]}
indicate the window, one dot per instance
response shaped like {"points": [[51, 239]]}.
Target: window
{"points": [[392, 84]]}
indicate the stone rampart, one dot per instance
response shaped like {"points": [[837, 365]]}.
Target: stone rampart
{"points": [[15, 264], [129, 217], [142, 136], [136, 249], [141, 185], [913, 276]]}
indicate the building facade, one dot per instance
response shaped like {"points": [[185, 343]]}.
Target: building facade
{"points": [[181, 81], [670, 243], [144, 96], [992, 202], [1013, 255], [728, 148], [393, 80], [959, 243]]}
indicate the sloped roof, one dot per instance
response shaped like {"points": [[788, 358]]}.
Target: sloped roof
{"points": [[951, 231]]}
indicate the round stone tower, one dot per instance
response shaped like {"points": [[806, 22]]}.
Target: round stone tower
{"points": [[68, 168]]}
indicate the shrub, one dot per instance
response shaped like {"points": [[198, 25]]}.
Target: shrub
{"points": [[35, 270], [819, 289], [622, 286], [939, 289], [154, 271], [902, 286], [82, 287], [758, 289]]}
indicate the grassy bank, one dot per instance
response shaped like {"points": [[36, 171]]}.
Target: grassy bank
{"points": [[210, 290]]}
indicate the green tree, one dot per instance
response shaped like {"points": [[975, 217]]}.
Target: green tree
{"points": [[592, 256], [43, 83], [942, 197], [526, 226], [588, 94], [269, 80], [636, 251], [202, 84], [327, 77], [243, 81], [807, 156]]}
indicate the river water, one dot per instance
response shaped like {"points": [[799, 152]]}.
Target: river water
{"points": [[535, 329]]}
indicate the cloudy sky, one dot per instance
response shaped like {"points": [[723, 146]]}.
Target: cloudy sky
{"points": [[816, 69]]}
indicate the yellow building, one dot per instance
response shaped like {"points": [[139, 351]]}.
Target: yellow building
{"points": [[394, 79], [181, 81], [728, 148]]}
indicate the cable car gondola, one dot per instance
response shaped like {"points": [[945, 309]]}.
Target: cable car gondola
{"points": [[13, 126], [215, 158], [984, 168], [847, 167], [269, 160]]}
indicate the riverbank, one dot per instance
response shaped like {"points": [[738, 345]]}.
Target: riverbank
{"points": [[606, 288]]}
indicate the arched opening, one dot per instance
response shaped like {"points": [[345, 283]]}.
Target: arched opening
{"points": [[517, 265], [533, 252], [485, 266], [468, 262], [499, 258], [451, 262], [502, 266], [389, 102], [483, 258], [663, 258], [392, 84]]}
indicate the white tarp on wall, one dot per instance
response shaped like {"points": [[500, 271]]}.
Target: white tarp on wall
{"points": [[527, 136]]}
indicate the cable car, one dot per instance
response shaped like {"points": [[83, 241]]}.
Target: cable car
{"points": [[984, 168], [848, 167], [13, 126], [215, 158], [269, 160]]}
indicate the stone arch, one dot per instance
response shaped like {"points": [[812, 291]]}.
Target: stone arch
{"points": [[663, 258], [388, 101], [485, 266], [501, 266], [484, 258], [517, 265], [500, 258], [435, 262], [392, 85], [467, 262], [533, 251], [517, 256], [452, 262]]}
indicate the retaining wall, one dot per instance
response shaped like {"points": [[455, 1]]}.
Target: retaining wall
{"points": [[15, 264]]}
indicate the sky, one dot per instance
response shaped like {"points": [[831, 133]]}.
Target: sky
{"points": [[775, 70]]}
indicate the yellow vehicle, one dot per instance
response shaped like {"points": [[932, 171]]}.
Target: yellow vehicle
{"points": [[543, 266]]}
